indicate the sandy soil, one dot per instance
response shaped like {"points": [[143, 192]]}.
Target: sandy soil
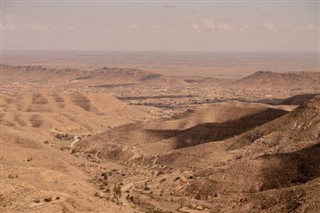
{"points": [[127, 140]]}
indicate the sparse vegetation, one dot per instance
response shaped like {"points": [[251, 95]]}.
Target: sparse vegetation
{"points": [[47, 199], [37, 201], [117, 190], [63, 136], [154, 210], [39, 99], [62, 148], [230, 156], [12, 176], [105, 175], [146, 188]]}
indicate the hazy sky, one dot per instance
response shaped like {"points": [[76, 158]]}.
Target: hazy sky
{"points": [[161, 26]]}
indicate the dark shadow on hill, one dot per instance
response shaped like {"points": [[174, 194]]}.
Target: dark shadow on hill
{"points": [[209, 132], [288, 169], [298, 99]]}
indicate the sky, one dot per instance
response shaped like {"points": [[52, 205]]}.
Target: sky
{"points": [[238, 26]]}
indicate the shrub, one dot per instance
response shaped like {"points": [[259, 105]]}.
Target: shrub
{"points": [[11, 176], [37, 201], [48, 199], [146, 188], [117, 190]]}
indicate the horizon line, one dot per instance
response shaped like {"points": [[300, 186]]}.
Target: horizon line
{"points": [[167, 51]]}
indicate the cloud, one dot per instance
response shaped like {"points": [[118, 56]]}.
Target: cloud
{"points": [[201, 24], [262, 12], [12, 23], [9, 27], [8, 22], [73, 28], [170, 6], [223, 27], [196, 28], [244, 28], [268, 25], [35, 27], [309, 27], [9, 17], [209, 24]]}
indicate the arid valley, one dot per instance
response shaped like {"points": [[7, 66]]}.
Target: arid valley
{"points": [[118, 139], [151, 106]]}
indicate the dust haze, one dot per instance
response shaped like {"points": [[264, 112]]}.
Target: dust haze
{"points": [[161, 110]]}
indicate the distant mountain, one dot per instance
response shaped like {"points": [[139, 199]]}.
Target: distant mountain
{"points": [[12, 74], [128, 76], [103, 76], [134, 76], [272, 80]]}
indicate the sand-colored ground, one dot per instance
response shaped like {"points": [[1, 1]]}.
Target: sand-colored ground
{"points": [[157, 143]]}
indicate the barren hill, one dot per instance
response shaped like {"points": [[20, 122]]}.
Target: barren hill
{"points": [[209, 123], [294, 131], [133, 76], [35, 177], [105, 77], [76, 148], [101, 77], [66, 112], [266, 149], [38, 74], [38, 132], [281, 155], [272, 80]]}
